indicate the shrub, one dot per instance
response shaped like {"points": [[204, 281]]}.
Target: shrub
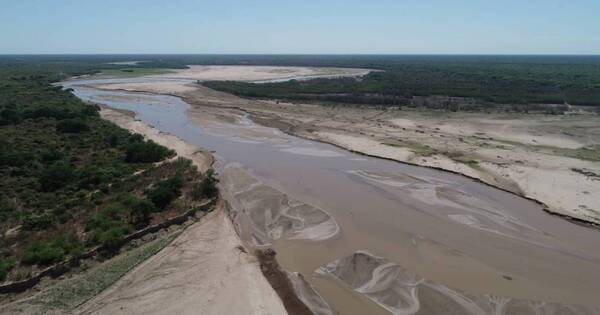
{"points": [[165, 191], [92, 176], [33, 222], [43, 253], [6, 265], [16, 159], [139, 209], [207, 187], [72, 126], [48, 112], [9, 116], [107, 227], [56, 176], [146, 152], [112, 238], [51, 155], [7, 208], [89, 111]]}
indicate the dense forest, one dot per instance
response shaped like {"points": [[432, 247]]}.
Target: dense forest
{"points": [[70, 180], [503, 80]]}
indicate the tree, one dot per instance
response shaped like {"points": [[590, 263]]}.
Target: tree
{"points": [[207, 187]]}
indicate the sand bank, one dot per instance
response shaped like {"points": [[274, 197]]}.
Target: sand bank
{"points": [[204, 270]]}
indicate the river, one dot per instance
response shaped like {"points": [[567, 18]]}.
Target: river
{"points": [[373, 236]]}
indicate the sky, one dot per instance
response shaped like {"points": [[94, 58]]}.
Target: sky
{"points": [[300, 26]]}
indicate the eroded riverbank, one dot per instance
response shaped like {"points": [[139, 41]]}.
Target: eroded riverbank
{"points": [[484, 245]]}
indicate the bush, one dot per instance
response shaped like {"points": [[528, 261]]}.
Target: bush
{"points": [[48, 112], [139, 209], [16, 159], [54, 251], [9, 116], [72, 126], [112, 238], [7, 208], [165, 191], [43, 253], [146, 152], [207, 187], [51, 155], [56, 176], [93, 176], [33, 222], [107, 227], [6, 265]]}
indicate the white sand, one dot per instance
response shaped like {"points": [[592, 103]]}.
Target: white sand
{"points": [[258, 73], [183, 80]]}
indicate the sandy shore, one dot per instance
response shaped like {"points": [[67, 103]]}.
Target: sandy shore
{"points": [[205, 270], [260, 73]]}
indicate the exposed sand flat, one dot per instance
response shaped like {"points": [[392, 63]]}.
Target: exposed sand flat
{"points": [[267, 214], [183, 80], [202, 272], [402, 292], [259, 73], [168, 87]]}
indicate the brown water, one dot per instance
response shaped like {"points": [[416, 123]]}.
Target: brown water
{"points": [[374, 236]]}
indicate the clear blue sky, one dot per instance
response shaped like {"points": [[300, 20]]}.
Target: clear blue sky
{"points": [[301, 26]]}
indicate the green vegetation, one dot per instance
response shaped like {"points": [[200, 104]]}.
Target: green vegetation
{"points": [[207, 187], [53, 251], [139, 151], [6, 265], [165, 191], [474, 82], [70, 180]]}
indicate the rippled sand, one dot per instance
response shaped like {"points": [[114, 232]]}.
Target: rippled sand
{"points": [[403, 292], [270, 215]]}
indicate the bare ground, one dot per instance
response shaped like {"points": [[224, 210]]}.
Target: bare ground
{"points": [[204, 270]]}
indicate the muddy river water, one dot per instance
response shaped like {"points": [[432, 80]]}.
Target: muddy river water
{"points": [[372, 236]]}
